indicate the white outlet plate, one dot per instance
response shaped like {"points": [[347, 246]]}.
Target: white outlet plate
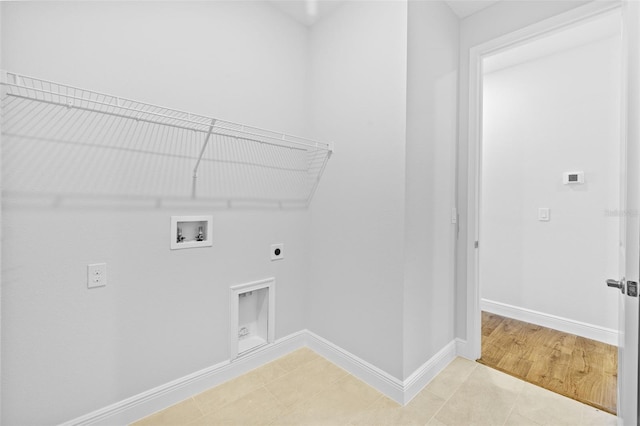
{"points": [[96, 275], [277, 251]]}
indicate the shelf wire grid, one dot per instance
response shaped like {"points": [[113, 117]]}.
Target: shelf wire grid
{"points": [[66, 141]]}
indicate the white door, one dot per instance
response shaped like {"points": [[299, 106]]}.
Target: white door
{"points": [[630, 221]]}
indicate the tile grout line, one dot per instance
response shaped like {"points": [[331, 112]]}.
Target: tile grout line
{"points": [[450, 396], [282, 376], [368, 407], [199, 409], [252, 389], [173, 407], [286, 410], [439, 409], [296, 405], [264, 386], [291, 408], [514, 406]]}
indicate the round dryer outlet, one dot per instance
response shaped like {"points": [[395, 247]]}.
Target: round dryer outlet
{"points": [[277, 251]]}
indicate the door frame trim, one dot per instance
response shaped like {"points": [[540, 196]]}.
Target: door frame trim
{"points": [[474, 167]]}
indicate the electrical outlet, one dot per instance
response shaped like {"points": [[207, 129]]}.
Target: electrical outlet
{"points": [[277, 251], [96, 275]]}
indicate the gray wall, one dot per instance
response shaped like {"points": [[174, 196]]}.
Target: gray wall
{"points": [[164, 314], [430, 182], [358, 81]]}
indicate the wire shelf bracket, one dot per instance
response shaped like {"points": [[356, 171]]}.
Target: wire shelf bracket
{"points": [[64, 140], [204, 147]]}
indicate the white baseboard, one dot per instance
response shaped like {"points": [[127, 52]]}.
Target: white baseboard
{"points": [[590, 331], [426, 372], [401, 391], [368, 373], [138, 406], [463, 350]]}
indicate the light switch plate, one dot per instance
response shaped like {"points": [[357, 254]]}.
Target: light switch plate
{"points": [[96, 275], [543, 214]]}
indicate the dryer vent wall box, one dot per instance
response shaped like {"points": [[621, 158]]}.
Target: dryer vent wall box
{"points": [[191, 231], [252, 316], [572, 178]]}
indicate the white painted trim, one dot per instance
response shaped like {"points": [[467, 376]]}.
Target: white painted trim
{"points": [[368, 373], [474, 166], [146, 403], [579, 328], [628, 365], [426, 372], [463, 350], [138, 406], [401, 391]]}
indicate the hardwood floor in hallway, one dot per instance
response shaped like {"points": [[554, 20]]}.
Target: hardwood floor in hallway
{"points": [[573, 366]]}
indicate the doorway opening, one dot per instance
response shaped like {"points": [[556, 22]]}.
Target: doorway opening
{"points": [[548, 188]]}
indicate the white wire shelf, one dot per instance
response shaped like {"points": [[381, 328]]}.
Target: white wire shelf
{"points": [[67, 141]]}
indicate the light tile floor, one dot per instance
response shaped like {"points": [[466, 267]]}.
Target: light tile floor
{"points": [[303, 388]]}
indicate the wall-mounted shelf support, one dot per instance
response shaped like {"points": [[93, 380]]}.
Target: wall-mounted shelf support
{"points": [[204, 147]]}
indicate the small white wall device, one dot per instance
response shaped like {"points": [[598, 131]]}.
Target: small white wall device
{"points": [[277, 251], [573, 178], [543, 214]]}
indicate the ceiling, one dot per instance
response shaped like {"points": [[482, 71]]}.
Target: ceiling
{"points": [[308, 12]]}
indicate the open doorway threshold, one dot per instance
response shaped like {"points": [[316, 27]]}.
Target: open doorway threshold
{"points": [[573, 366]]}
